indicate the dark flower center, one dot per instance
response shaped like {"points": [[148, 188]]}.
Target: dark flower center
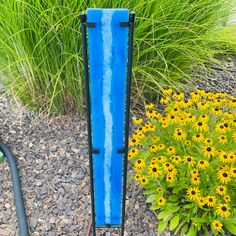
{"points": [[179, 133], [208, 149], [202, 162], [210, 200], [154, 169], [226, 125], [189, 159], [224, 208], [200, 123], [139, 161], [221, 189], [225, 175], [193, 192], [198, 135]]}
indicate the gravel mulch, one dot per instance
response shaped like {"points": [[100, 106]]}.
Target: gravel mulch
{"points": [[54, 167]]}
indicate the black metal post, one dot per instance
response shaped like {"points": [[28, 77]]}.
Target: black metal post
{"points": [[83, 18], [127, 112]]}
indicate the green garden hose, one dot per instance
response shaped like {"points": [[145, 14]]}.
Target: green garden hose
{"points": [[18, 197]]}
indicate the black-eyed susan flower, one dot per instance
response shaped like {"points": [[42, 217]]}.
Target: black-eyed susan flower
{"points": [[221, 189], [211, 200], [171, 150], [232, 157], [134, 142], [156, 139], [202, 164], [150, 113], [208, 141], [137, 121], [193, 193], [220, 128], [201, 201], [208, 151], [161, 201], [154, 170], [233, 171], [170, 178], [224, 176], [194, 172], [217, 225], [137, 177], [187, 143], [190, 119], [189, 160], [153, 148], [159, 190], [216, 111], [178, 96], [149, 106], [222, 139], [144, 181], [164, 100], [176, 159], [195, 180], [139, 163], [161, 159], [201, 126], [172, 119], [167, 165], [171, 171], [198, 137], [203, 118], [202, 105], [167, 91], [224, 157], [133, 152], [223, 210], [161, 146], [179, 134], [227, 198]]}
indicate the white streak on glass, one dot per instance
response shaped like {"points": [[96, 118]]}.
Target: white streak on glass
{"points": [[106, 100]]}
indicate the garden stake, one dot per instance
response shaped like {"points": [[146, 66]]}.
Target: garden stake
{"points": [[103, 19]]}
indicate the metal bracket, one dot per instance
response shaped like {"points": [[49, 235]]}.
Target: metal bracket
{"points": [[90, 24], [124, 24], [121, 151], [95, 151]]}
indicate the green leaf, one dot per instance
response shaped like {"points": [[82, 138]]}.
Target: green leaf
{"points": [[162, 226], [154, 207], [1, 157], [163, 215], [174, 222], [231, 228], [150, 191], [199, 220], [173, 198], [152, 198], [184, 229], [172, 209], [188, 206], [192, 231], [231, 220]]}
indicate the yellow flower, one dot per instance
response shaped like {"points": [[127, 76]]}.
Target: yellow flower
{"points": [[202, 164], [203, 118], [217, 225], [234, 136], [153, 148], [193, 193], [137, 121], [187, 142], [208, 141], [222, 139], [179, 134], [233, 171], [224, 176], [208, 151], [161, 201], [194, 172], [171, 150], [167, 91], [161, 159], [155, 139], [144, 181], [189, 160], [216, 111], [227, 198], [201, 126], [221, 190], [170, 178], [133, 152], [134, 142], [172, 119], [171, 171], [139, 163], [149, 106], [159, 190], [161, 146], [195, 180], [176, 159], [202, 105], [223, 210], [224, 157], [211, 201], [178, 96], [137, 177], [150, 113], [198, 138], [190, 119], [154, 170], [165, 100], [201, 201]]}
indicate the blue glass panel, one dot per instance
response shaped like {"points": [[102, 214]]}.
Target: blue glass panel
{"points": [[107, 43]]}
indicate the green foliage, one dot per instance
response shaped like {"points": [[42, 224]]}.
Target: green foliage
{"points": [[184, 157], [40, 46]]}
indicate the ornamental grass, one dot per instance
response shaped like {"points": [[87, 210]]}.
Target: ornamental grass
{"points": [[184, 156]]}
